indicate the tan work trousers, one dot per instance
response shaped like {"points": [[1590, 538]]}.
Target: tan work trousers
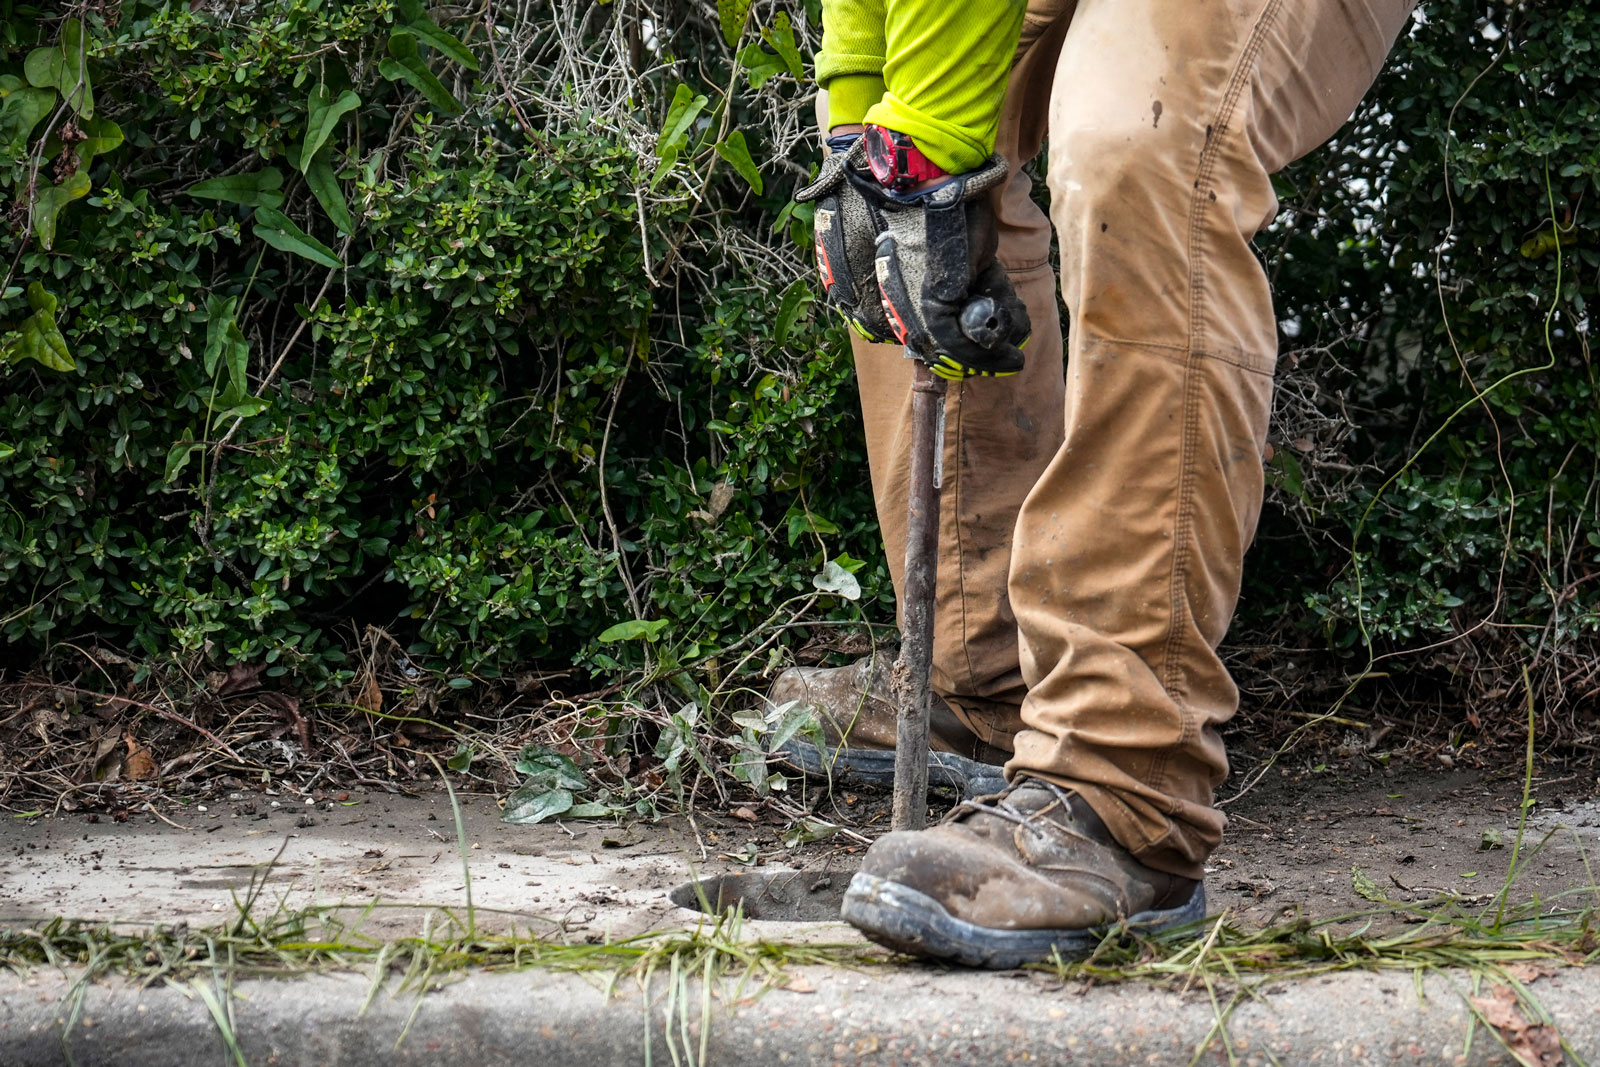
{"points": [[1095, 521]]}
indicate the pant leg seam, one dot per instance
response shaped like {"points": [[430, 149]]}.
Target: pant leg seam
{"points": [[1183, 534], [953, 476]]}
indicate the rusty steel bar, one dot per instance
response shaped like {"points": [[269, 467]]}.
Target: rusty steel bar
{"points": [[912, 674]]}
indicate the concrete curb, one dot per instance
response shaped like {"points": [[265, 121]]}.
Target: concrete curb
{"points": [[888, 1016]]}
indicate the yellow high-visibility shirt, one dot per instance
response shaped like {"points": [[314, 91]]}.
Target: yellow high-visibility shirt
{"points": [[933, 69]]}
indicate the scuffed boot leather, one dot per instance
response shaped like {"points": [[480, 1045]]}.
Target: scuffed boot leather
{"points": [[856, 719], [1010, 879]]}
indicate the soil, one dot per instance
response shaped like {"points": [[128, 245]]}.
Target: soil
{"points": [[1293, 846]]}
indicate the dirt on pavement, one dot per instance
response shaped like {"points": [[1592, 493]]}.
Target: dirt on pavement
{"points": [[1294, 845]]}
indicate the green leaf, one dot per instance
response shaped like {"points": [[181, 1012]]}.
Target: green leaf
{"points": [[6, 451], [324, 185], [835, 579], [63, 67], [178, 457], [529, 805], [407, 65], [788, 719], [275, 228], [732, 14], [21, 108], [38, 337], [802, 522], [548, 769], [760, 64], [462, 760], [256, 189], [735, 151], [807, 830], [48, 202], [594, 809], [781, 37], [795, 297], [103, 136], [685, 108], [244, 409], [1364, 886], [447, 44], [632, 630], [226, 344], [322, 118]]}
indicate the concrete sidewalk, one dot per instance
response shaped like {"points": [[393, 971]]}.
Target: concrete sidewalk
{"points": [[584, 881], [882, 1016]]}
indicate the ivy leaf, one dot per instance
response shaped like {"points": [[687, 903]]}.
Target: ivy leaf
{"points": [[38, 338], [549, 769], [275, 228], [781, 37], [632, 630], [529, 805], [407, 65], [102, 136], [225, 342], [759, 64], [257, 189], [63, 66], [324, 185], [796, 297], [49, 201], [447, 44], [178, 457], [21, 108], [835, 579], [685, 108], [732, 14], [322, 118], [735, 151]]}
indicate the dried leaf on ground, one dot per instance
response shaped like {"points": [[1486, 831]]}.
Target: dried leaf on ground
{"points": [[1535, 1044], [139, 764], [371, 695]]}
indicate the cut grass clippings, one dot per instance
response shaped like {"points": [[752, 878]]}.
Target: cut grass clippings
{"points": [[1475, 949]]}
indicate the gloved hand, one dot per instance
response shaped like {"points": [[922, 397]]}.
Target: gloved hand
{"points": [[948, 300], [847, 223]]}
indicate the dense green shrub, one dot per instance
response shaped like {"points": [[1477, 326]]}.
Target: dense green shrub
{"points": [[1453, 442], [424, 382], [494, 336]]}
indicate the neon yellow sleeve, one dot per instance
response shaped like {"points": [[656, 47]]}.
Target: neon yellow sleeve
{"points": [[850, 65], [934, 69]]}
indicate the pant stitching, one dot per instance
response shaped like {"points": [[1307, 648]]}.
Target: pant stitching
{"points": [[1183, 533], [952, 473]]}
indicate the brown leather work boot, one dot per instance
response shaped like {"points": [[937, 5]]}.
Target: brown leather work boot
{"points": [[855, 716], [1011, 879]]}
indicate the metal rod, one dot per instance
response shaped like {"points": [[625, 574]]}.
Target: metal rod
{"points": [[912, 674]]}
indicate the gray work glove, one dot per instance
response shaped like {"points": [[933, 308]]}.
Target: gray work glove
{"points": [[847, 223], [948, 299]]}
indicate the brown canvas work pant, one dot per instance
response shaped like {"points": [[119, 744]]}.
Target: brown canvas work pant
{"points": [[1095, 521]]}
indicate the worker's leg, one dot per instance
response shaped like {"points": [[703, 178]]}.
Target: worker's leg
{"points": [[1166, 121], [999, 433]]}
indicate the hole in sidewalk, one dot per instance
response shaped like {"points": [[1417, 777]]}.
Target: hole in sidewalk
{"points": [[782, 896]]}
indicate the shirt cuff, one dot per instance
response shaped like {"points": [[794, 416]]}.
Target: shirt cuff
{"points": [[955, 149], [851, 95]]}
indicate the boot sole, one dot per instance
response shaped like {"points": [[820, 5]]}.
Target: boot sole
{"points": [[901, 918], [874, 768]]}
